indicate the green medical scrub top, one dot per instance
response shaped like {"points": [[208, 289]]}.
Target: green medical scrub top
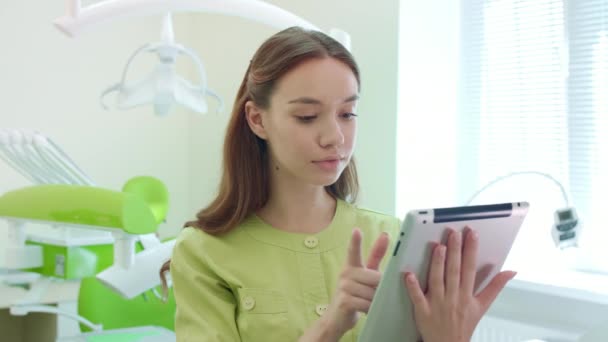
{"points": [[259, 283]]}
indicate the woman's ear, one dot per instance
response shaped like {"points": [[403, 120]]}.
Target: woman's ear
{"points": [[254, 118]]}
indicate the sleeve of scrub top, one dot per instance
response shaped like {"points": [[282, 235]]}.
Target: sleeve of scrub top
{"points": [[205, 305]]}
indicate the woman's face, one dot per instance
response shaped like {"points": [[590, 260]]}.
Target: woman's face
{"points": [[310, 125]]}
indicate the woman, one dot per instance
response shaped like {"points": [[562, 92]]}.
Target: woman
{"points": [[277, 256]]}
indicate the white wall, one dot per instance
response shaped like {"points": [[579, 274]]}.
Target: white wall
{"points": [[428, 88], [51, 83]]}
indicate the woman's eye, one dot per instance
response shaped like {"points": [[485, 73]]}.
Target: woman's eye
{"points": [[349, 115], [306, 118]]}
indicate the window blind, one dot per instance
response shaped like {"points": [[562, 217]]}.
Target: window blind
{"points": [[534, 97], [587, 23]]}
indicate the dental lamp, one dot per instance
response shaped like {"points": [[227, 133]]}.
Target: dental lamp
{"points": [[566, 229], [163, 87], [129, 215]]}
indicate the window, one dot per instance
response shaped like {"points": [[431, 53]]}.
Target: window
{"points": [[587, 24], [532, 90]]}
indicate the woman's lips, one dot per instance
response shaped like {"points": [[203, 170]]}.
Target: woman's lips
{"points": [[328, 165]]}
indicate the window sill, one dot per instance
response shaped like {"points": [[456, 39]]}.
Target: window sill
{"points": [[566, 278], [567, 302], [571, 284]]}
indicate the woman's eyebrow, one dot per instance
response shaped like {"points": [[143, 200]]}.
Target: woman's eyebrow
{"points": [[305, 100], [352, 98], [310, 100]]}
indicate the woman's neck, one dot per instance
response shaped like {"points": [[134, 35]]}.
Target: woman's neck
{"points": [[304, 209]]}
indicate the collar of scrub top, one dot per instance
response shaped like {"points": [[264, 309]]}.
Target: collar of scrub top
{"points": [[336, 235]]}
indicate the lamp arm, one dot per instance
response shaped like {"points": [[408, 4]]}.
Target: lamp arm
{"points": [[546, 175], [79, 17]]}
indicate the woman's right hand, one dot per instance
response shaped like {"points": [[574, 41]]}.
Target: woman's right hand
{"points": [[357, 284]]}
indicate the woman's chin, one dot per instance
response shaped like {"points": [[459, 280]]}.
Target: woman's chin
{"points": [[327, 180]]}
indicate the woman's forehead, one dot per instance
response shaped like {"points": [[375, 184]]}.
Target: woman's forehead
{"points": [[324, 80]]}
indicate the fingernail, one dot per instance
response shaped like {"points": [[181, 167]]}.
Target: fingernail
{"points": [[409, 278], [474, 235], [513, 274]]}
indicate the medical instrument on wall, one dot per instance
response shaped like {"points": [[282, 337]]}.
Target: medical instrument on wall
{"points": [[565, 231], [39, 159]]}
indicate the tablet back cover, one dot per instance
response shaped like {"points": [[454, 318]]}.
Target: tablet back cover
{"points": [[390, 317]]}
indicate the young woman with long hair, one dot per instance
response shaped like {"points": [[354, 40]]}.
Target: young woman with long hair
{"points": [[283, 253]]}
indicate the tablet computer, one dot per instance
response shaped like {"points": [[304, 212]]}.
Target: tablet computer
{"points": [[391, 317]]}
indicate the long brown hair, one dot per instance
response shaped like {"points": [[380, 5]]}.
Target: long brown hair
{"points": [[245, 178]]}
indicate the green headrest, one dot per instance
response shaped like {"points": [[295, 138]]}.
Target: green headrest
{"points": [[154, 193], [136, 211]]}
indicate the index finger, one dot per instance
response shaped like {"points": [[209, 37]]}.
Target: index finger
{"points": [[354, 249], [378, 252]]}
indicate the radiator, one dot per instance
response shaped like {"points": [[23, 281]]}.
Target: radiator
{"points": [[492, 329]]}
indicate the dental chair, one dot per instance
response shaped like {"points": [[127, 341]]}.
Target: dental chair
{"points": [[119, 282], [105, 239]]}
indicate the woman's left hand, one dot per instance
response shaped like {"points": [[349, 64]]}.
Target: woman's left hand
{"points": [[449, 310]]}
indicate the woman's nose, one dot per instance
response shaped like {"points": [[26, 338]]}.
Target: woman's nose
{"points": [[332, 134]]}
